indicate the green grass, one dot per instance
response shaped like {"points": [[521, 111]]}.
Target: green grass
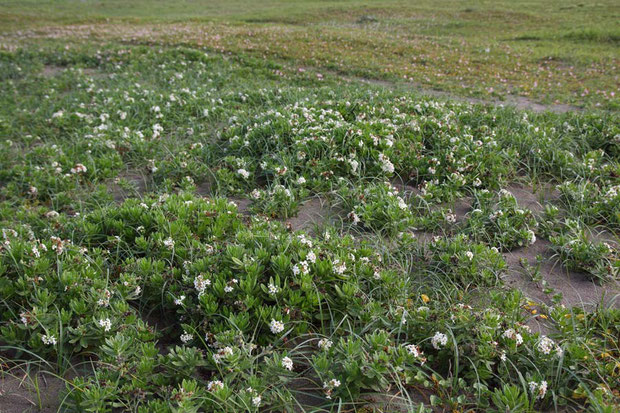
{"points": [[549, 51]]}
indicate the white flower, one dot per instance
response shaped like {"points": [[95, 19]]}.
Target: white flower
{"points": [[311, 257], [353, 217], [49, 340], [325, 344], [78, 168], [276, 326], [354, 164], [255, 194], [301, 180], [201, 283], [546, 345], [106, 324], [186, 337], [179, 301], [273, 289], [329, 386], [58, 245], [51, 214], [542, 389], [245, 174], [302, 268], [333, 383], [256, 400], [169, 243], [439, 340], [386, 164], [228, 289], [414, 350], [339, 267], [469, 255], [532, 236], [505, 194], [215, 385], [513, 335], [538, 390], [223, 353], [402, 204], [287, 363]]}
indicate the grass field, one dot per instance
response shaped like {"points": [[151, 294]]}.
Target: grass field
{"points": [[310, 206], [549, 51]]}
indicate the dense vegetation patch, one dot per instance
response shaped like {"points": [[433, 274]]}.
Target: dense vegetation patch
{"points": [[122, 246]]}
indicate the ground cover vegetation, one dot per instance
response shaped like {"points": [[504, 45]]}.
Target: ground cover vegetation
{"points": [[154, 254], [557, 51]]}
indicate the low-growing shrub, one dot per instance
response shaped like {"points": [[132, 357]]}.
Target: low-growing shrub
{"points": [[497, 220]]}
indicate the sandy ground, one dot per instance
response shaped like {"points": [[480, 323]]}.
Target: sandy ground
{"points": [[18, 393]]}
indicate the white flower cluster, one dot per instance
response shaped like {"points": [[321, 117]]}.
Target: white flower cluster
{"points": [[416, 352], [276, 326], [78, 169], [201, 284], [244, 174], [439, 340], [386, 165], [325, 344], [256, 398], [105, 301], [186, 337], [215, 385], [169, 243], [58, 245], [329, 387], [339, 267], [548, 346], [106, 324], [222, 354], [48, 340], [512, 334], [287, 363], [354, 218], [538, 390], [311, 257], [301, 268], [273, 289], [304, 241]]}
